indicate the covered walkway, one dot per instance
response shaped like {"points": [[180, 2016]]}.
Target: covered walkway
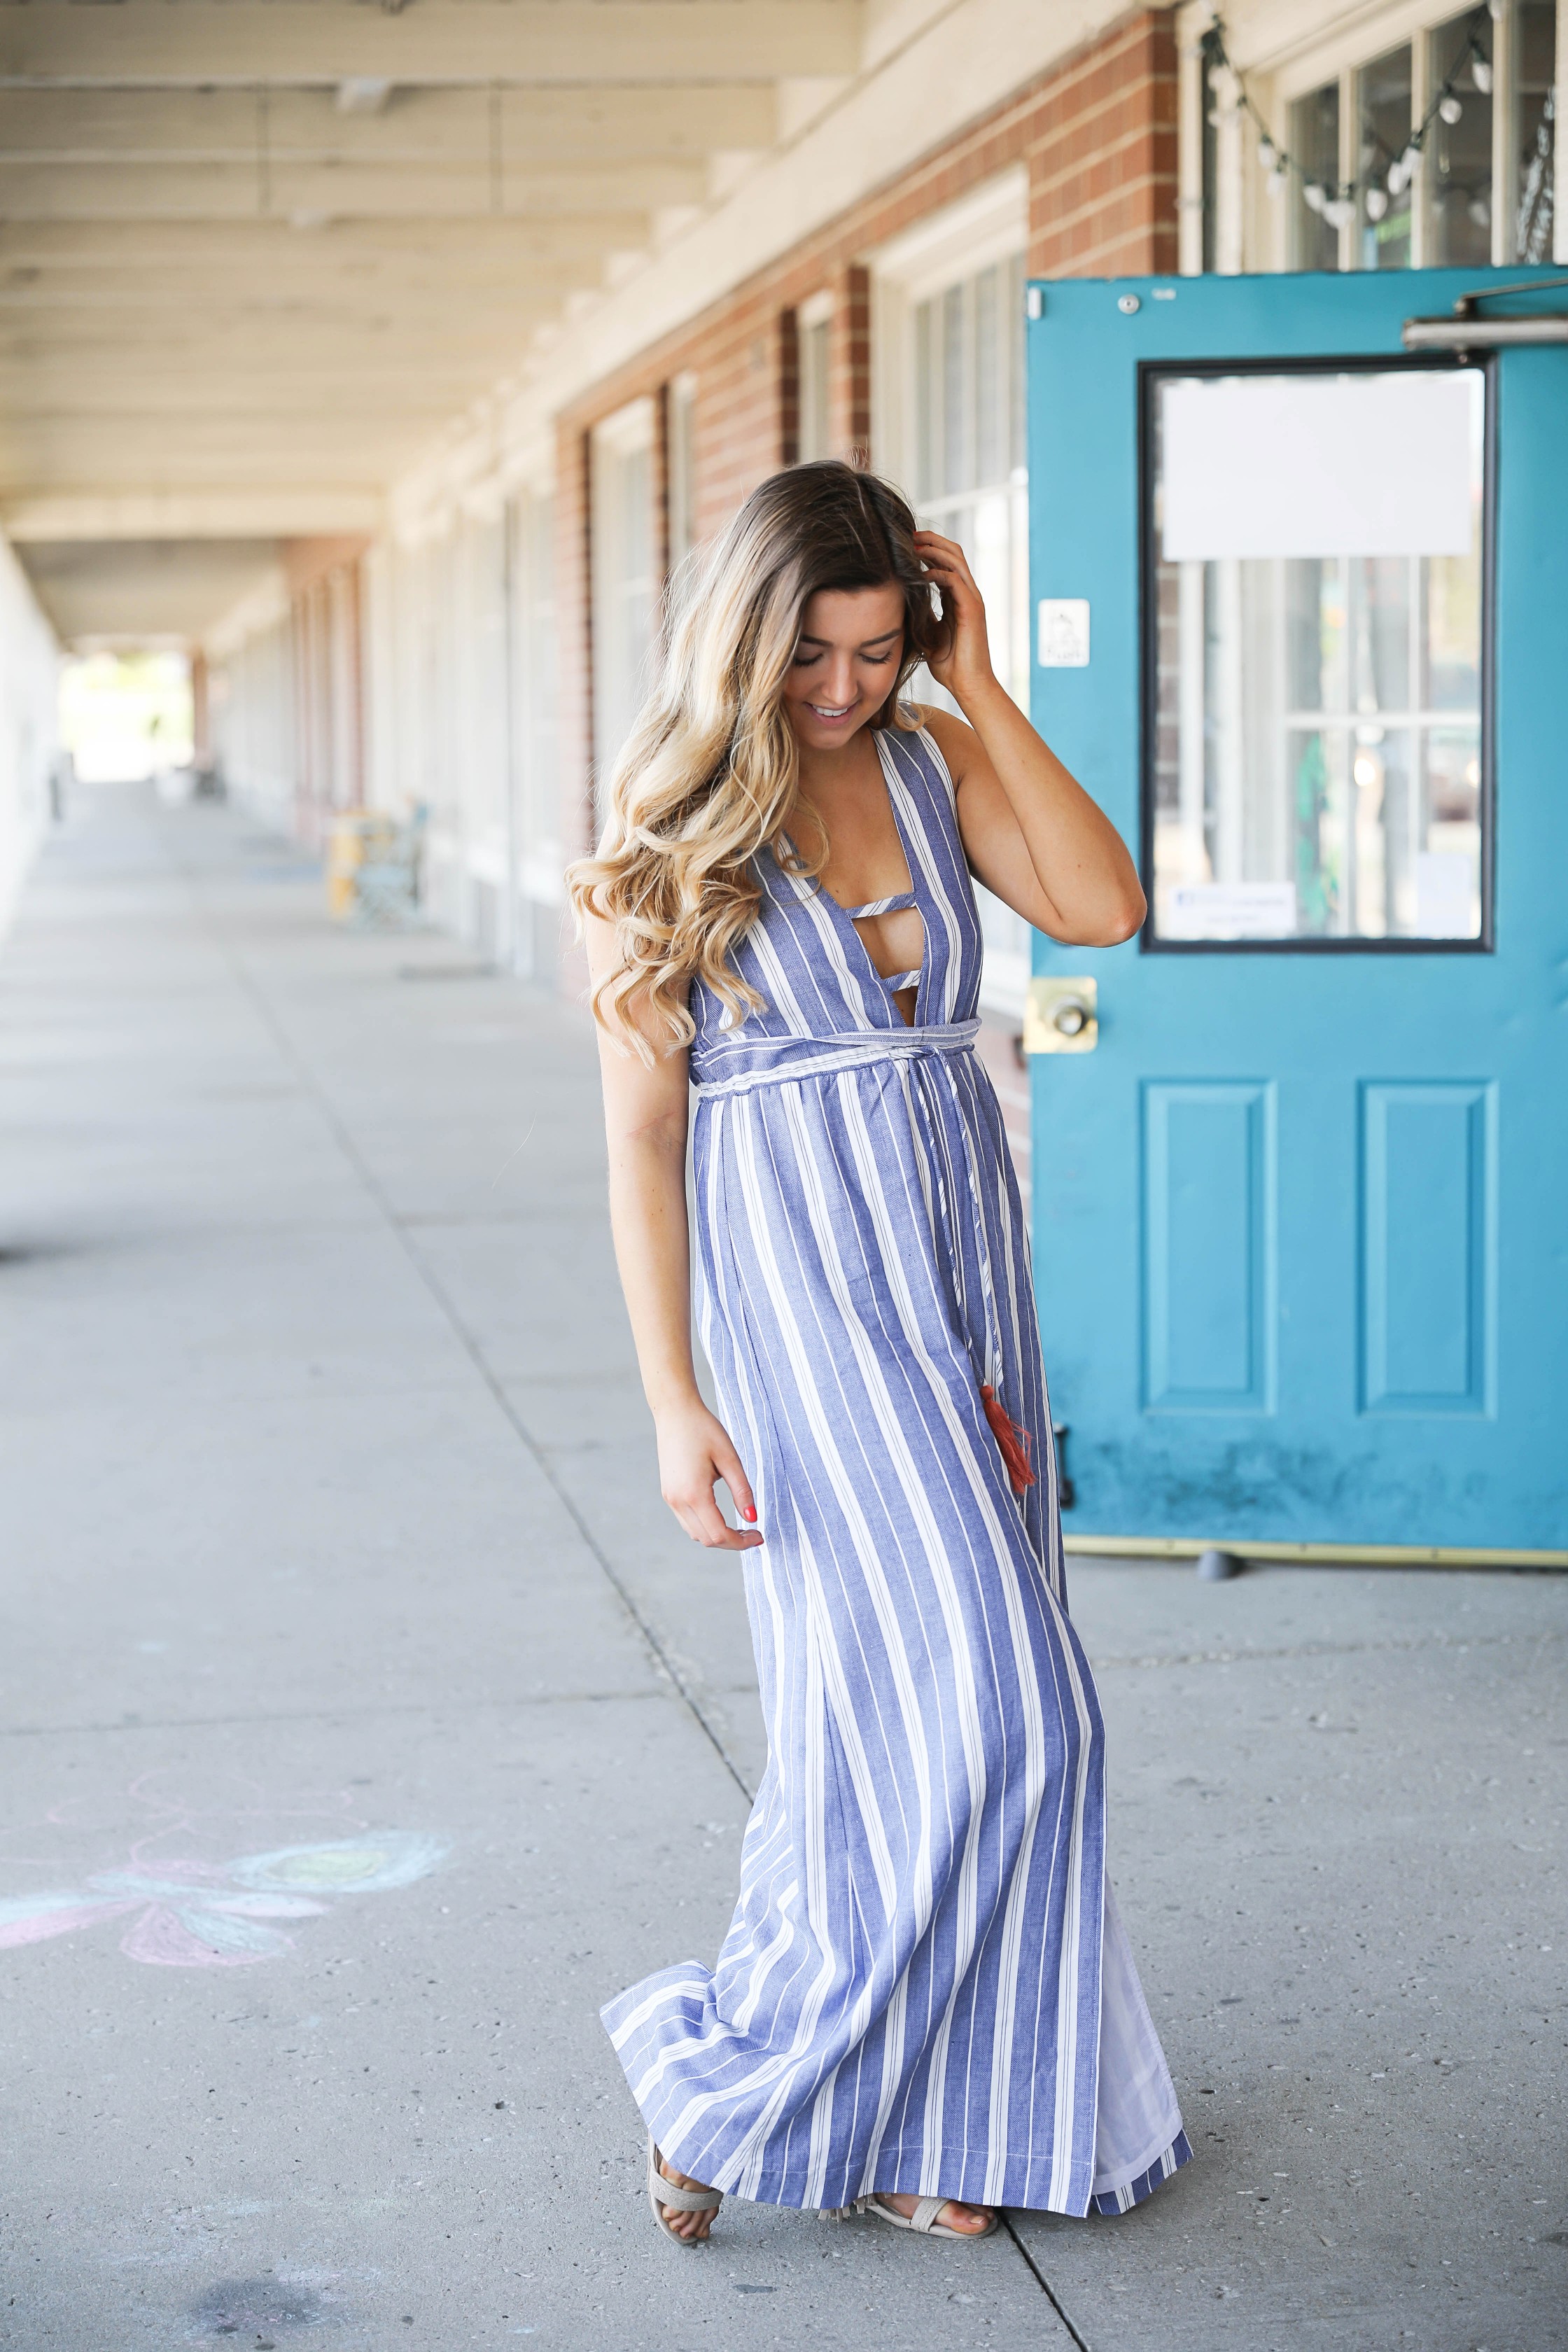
{"points": [[367, 1722]]}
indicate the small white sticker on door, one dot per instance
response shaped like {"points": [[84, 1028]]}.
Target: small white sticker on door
{"points": [[1064, 633]]}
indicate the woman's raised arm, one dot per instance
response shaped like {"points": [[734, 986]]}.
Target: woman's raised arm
{"points": [[645, 1124]]}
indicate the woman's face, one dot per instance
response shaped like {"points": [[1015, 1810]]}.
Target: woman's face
{"points": [[851, 643]]}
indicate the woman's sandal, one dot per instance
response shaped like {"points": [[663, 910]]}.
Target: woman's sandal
{"points": [[665, 2197], [922, 2219]]}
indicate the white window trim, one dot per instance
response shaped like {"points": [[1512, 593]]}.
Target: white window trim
{"points": [[628, 429], [816, 310]]}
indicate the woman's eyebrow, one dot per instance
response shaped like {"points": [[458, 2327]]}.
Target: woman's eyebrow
{"points": [[805, 638]]}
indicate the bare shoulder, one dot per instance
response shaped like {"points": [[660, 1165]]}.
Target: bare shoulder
{"points": [[953, 737]]}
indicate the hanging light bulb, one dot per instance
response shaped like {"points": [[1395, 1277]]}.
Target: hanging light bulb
{"points": [[1376, 203], [1313, 198], [1480, 211], [1449, 108], [1339, 212], [1267, 154], [1397, 175], [1275, 184], [1481, 75], [1494, 10], [1408, 161]]}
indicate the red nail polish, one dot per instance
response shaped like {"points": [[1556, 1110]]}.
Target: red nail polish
{"points": [[749, 1512]]}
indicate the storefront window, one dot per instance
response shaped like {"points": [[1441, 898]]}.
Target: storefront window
{"points": [[1315, 144], [815, 333], [1440, 152], [1459, 153], [969, 445], [1535, 193], [623, 578], [971, 484], [1384, 92]]}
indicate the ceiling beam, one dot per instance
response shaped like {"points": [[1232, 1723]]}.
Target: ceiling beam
{"points": [[291, 511], [356, 448], [253, 251], [115, 302], [510, 129], [320, 43], [96, 376], [313, 196]]}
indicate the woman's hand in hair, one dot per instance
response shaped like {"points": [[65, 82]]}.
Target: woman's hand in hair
{"points": [[965, 668], [694, 1453]]}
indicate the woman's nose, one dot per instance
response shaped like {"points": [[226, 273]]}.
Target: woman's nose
{"points": [[840, 680]]}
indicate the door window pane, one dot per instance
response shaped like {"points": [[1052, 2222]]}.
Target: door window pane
{"points": [[1459, 153], [1316, 764], [1384, 93], [1315, 144], [1532, 196]]}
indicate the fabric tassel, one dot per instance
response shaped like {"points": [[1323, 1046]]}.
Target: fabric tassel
{"points": [[1013, 1439]]}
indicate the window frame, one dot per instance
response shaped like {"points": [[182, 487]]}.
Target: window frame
{"points": [[1150, 374], [1259, 228]]}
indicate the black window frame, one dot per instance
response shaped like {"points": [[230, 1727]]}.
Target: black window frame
{"points": [[1152, 373]]}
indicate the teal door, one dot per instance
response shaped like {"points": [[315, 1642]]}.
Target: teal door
{"points": [[1301, 1149]]}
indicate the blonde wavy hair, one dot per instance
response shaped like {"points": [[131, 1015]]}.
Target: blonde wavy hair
{"points": [[709, 776]]}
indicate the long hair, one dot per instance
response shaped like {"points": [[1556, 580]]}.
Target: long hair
{"points": [[709, 775]]}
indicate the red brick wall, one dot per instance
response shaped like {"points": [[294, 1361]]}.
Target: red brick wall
{"points": [[1098, 136]]}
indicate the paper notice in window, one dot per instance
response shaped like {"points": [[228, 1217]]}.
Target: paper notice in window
{"points": [[1313, 465], [1230, 911], [1445, 895]]}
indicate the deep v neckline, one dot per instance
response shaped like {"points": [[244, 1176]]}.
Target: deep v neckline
{"points": [[911, 892]]}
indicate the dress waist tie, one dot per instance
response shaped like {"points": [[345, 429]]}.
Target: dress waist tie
{"points": [[773, 1061]]}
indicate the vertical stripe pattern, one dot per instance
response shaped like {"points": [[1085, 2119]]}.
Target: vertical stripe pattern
{"points": [[925, 1987]]}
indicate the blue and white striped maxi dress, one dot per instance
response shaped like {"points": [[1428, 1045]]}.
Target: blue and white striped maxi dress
{"points": [[925, 1988]]}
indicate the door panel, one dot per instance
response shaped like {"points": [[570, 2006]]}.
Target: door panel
{"points": [[1208, 1233], [1429, 1256], [1301, 1225]]}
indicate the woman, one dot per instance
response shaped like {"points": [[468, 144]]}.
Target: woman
{"points": [[925, 2008]]}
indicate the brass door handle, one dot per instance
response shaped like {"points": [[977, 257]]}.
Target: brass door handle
{"points": [[1062, 1016]]}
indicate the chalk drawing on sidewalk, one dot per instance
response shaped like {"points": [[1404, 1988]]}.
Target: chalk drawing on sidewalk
{"points": [[194, 1915]]}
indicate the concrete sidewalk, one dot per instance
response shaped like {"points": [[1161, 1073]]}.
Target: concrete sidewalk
{"points": [[368, 1722]]}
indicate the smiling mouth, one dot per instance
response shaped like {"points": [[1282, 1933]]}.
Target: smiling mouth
{"points": [[821, 710]]}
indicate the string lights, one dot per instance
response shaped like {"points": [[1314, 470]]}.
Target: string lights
{"points": [[1382, 182]]}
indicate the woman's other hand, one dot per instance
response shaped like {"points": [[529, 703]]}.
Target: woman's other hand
{"points": [[694, 1453], [965, 668]]}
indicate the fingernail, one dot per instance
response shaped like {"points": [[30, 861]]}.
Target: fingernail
{"points": [[748, 1513]]}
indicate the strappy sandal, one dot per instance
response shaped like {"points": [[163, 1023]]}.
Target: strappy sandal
{"points": [[924, 2218], [664, 2197]]}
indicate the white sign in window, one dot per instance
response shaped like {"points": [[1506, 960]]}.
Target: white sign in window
{"points": [[1304, 466]]}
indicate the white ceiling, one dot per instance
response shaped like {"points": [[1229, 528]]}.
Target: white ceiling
{"points": [[255, 253]]}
